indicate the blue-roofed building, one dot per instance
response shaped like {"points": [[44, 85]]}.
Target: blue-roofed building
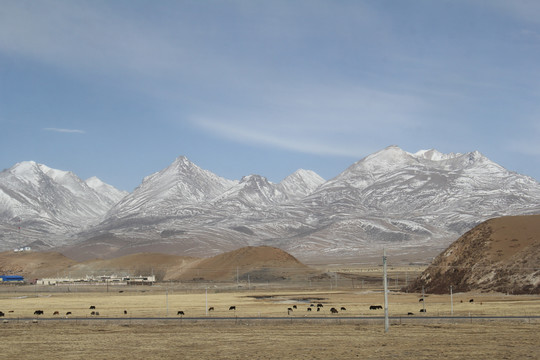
{"points": [[11, 278]]}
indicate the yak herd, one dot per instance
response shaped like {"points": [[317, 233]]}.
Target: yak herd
{"points": [[319, 306]]}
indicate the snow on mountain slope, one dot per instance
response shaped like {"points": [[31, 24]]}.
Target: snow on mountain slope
{"points": [[251, 191], [109, 193], [162, 194], [392, 198], [394, 181], [299, 184], [34, 197]]}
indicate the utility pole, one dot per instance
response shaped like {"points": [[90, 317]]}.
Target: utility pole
{"points": [[407, 280], [423, 300], [451, 301], [385, 283]]}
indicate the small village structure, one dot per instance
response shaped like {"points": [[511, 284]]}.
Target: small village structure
{"points": [[11, 279], [102, 279]]}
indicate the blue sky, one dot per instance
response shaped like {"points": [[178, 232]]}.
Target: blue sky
{"points": [[119, 89]]}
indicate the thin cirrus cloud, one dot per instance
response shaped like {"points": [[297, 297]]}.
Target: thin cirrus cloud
{"points": [[68, 131], [322, 120]]}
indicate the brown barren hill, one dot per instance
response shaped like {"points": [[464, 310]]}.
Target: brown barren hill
{"points": [[261, 263], [34, 265], [163, 266], [501, 254]]}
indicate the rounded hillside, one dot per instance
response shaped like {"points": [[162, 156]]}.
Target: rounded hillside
{"points": [[261, 263], [33, 265], [501, 254]]}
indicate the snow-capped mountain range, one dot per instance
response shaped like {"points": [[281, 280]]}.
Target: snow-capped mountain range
{"points": [[38, 203], [408, 202]]}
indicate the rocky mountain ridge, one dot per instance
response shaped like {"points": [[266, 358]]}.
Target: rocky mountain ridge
{"points": [[405, 202], [38, 203], [501, 254]]}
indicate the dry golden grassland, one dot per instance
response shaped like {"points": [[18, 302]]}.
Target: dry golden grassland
{"points": [[163, 301], [295, 337], [268, 340]]}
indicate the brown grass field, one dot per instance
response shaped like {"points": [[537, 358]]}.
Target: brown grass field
{"points": [[294, 336]]}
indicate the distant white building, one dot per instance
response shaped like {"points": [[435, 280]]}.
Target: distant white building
{"points": [[103, 280], [25, 248]]}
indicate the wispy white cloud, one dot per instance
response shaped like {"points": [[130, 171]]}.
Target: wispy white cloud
{"points": [[70, 131], [331, 120]]}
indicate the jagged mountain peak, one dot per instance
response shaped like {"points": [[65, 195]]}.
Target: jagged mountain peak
{"points": [[434, 155], [111, 194], [38, 175], [381, 161], [27, 171], [251, 189], [182, 162], [304, 174], [300, 184], [48, 202], [181, 166], [180, 184], [254, 179], [94, 182], [391, 196]]}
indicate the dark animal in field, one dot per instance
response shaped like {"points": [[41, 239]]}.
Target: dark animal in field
{"points": [[420, 300], [308, 309], [343, 308], [333, 311], [461, 301], [93, 313], [11, 311], [56, 313], [125, 312], [1, 314], [289, 311], [38, 312], [97, 313], [68, 313], [472, 300], [180, 312], [121, 291], [423, 310], [92, 307], [375, 307], [320, 305], [312, 305], [294, 307], [232, 308], [318, 309], [211, 308], [410, 313]]}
